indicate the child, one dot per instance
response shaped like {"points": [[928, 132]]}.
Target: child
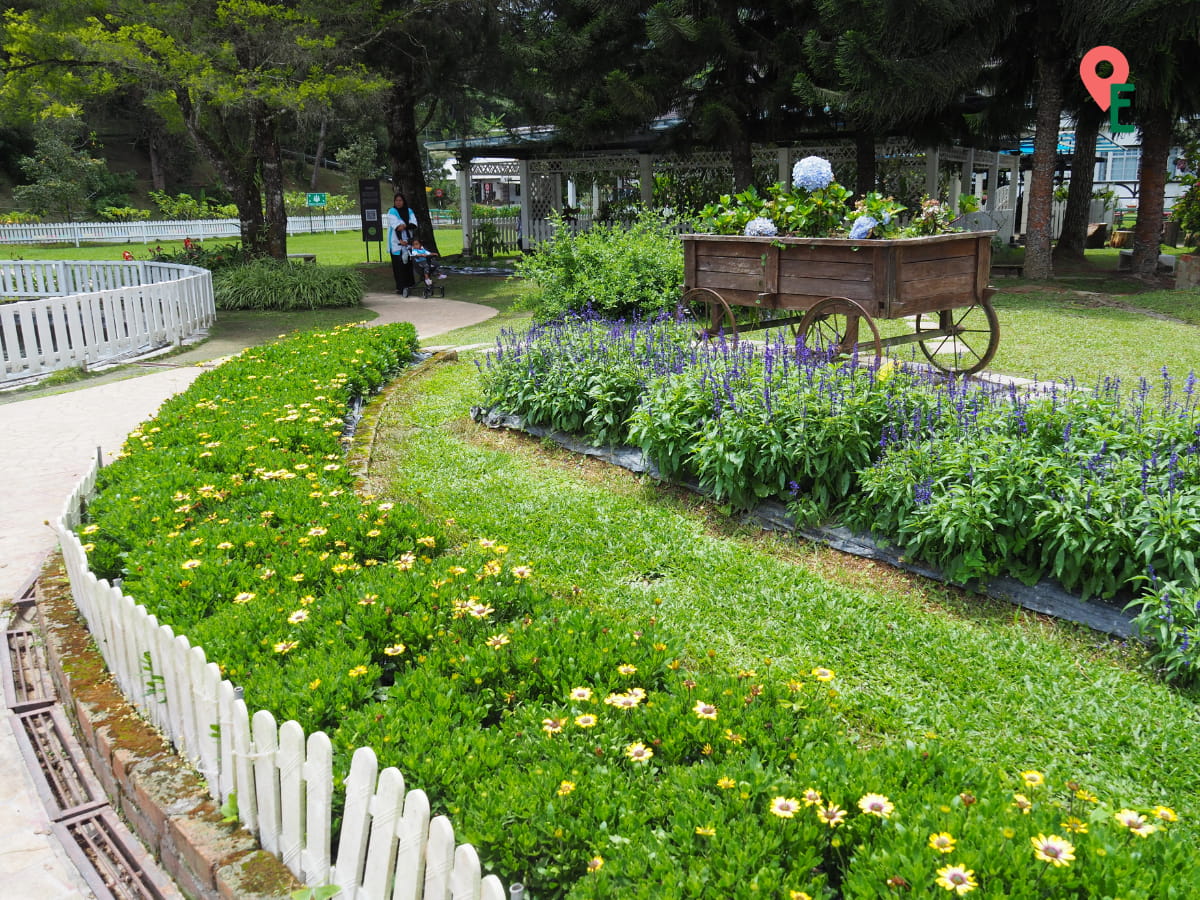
{"points": [[424, 260]]}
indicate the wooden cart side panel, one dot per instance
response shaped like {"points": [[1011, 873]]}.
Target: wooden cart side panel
{"points": [[799, 303], [940, 276]]}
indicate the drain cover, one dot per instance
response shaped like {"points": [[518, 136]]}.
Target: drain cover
{"points": [[28, 678], [100, 846], [64, 784]]}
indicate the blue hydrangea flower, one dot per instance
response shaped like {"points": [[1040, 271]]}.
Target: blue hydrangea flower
{"points": [[812, 174], [862, 227], [761, 227]]}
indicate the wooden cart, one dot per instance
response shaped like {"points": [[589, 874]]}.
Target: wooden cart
{"points": [[831, 290]]}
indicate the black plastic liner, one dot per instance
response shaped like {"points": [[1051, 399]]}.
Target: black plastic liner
{"points": [[1047, 596]]}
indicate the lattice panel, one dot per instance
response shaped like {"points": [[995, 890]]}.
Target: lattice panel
{"points": [[502, 169], [540, 196], [616, 164]]}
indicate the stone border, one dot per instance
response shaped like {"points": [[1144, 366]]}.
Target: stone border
{"points": [[156, 792]]}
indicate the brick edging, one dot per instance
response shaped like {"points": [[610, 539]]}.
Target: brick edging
{"points": [[159, 794]]}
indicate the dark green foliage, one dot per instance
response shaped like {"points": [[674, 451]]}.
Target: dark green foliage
{"points": [[271, 284], [213, 257], [613, 270]]}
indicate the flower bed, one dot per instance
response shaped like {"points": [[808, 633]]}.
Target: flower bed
{"points": [[583, 756], [1096, 489]]}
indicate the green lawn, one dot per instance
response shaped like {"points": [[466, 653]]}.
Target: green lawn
{"points": [[996, 685], [346, 248]]}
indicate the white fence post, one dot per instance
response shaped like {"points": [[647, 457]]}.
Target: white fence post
{"points": [[356, 822], [389, 848], [266, 779], [410, 851], [318, 786], [293, 808]]}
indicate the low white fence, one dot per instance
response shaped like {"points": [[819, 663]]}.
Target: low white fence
{"points": [[65, 314], [389, 846], [152, 232]]}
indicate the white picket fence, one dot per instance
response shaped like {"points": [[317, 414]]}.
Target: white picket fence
{"points": [[70, 314], [165, 230], [389, 849]]}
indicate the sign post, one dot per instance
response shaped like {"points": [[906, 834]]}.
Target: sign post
{"points": [[315, 199], [370, 209]]}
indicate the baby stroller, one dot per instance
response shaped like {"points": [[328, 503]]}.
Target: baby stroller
{"points": [[428, 270]]}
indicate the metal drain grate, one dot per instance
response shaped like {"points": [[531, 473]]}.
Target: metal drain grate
{"points": [[27, 677], [110, 859], [65, 785], [100, 846]]}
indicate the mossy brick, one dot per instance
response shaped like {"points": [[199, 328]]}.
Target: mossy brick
{"points": [[141, 824], [256, 876], [163, 791], [205, 843], [190, 884], [124, 763], [79, 713]]}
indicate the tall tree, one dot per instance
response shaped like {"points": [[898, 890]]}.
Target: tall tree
{"points": [[921, 81], [1164, 39], [441, 65], [229, 72], [735, 64], [1073, 236], [1051, 68], [62, 173]]}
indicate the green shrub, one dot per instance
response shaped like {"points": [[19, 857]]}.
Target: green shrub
{"points": [[1187, 209], [276, 285], [185, 206], [123, 214], [213, 257], [613, 270]]}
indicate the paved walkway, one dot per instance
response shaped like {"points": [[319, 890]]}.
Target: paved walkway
{"points": [[49, 443]]}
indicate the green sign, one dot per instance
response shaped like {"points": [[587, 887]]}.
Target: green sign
{"points": [[317, 199]]}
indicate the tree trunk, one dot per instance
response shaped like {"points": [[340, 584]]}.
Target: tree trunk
{"points": [[239, 176], [1040, 198], [404, 155], [1152, 182], [248, 198], [741, 156], [316, 169], [270, 161], [158, 179], [1071, 240], [864, 161]]}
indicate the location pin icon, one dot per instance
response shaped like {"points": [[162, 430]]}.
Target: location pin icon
{"points": [[1099, 87]]}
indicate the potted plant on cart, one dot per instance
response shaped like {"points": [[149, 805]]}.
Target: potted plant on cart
{"points": [[802, 256]]}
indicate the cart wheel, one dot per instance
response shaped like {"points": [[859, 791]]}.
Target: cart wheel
{"points": [[831, 325], [966, 339], [711, 314]]}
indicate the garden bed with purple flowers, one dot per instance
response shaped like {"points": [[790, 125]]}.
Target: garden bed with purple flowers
{"points": [[1097, 488]]}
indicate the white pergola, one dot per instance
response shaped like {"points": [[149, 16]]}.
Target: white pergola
{"points": [[550, 181]]}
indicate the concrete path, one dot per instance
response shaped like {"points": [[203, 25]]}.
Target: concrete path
{"points": [[48, 444]]}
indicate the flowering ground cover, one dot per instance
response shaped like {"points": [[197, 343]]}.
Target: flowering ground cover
{"points": [[1097, 488], [586, 754]]}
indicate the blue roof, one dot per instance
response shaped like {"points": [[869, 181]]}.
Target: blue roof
{"points": [[1066, 144]]}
